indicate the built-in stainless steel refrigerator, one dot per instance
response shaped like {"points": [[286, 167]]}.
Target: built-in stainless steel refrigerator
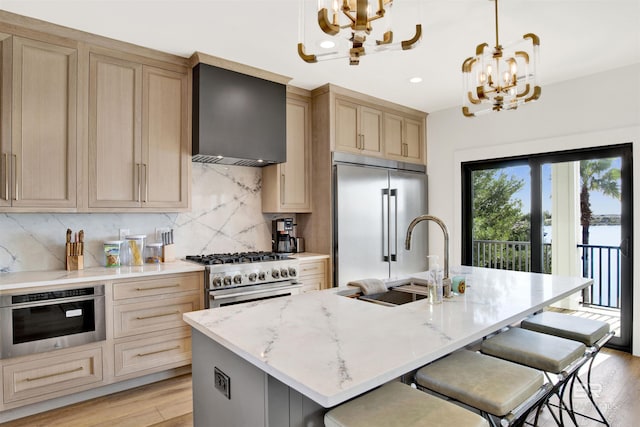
{"points": [[373, 206]]}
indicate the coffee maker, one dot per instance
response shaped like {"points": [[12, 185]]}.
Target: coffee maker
{"points": [[282, 235]]}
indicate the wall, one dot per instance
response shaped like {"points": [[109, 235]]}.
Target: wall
{"points": [[226, 216], [597, 110]]}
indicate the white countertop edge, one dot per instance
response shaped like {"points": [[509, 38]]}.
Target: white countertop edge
{"points": [[31, 279], [329, 401], [309, 256]]}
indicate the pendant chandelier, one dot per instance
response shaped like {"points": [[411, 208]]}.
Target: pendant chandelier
{"points": [[351, 23], [500, 78]]}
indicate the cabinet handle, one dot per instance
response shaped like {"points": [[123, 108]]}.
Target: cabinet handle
{"points": [[153, 316], [362, 141], [55, 374], [158, 287], [157, 351], [282, 189], [6, 176], [138, 165], [146, 183], [15, 174]]}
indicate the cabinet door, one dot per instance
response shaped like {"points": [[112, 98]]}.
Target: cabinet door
{"points": [[393, 133], [295, 173], [371, 131], [44, 124], [414, 140], [115, 90], [347, 132], [165, 146], [5, 119]]}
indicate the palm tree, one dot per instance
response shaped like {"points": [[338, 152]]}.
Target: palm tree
{"points": [[596, 175]]}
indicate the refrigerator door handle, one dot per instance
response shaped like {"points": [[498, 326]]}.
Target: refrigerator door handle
{"points": [[385, 224], [393, 224]]}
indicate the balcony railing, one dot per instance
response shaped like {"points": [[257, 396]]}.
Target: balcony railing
{"points": [[600, 263], [508, 255]]}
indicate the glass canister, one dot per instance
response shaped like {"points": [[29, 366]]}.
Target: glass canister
{"points": [[153, 253], [112, 250], [134, 247]]}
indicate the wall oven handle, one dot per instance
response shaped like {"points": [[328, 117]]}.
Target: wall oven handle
{"points": [[177, 285], [158, 351], [153, 316], [56, 374]]}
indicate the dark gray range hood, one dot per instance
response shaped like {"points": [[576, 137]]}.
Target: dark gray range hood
{"points": [[238, 119]]}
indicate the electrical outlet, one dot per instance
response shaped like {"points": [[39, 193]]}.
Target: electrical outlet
{"points": [[159, 231], [222, 382], [123, 232]]}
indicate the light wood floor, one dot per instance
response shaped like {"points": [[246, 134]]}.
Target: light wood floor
{"points": [[168, 403]]}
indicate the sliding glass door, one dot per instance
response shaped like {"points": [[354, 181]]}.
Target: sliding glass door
{"points": [[567, 213]]}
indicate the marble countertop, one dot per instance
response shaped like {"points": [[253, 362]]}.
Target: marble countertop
{"points": [[332, 348], [30, 279]]}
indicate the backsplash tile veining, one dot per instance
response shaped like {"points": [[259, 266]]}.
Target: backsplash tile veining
{"points": [[226, 216]]}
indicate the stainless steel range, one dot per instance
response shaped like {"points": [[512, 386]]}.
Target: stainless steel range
{"points": [[247, 276]]}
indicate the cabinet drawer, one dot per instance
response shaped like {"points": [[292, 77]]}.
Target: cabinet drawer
{"points": [[311, 268], [157, 286], [52, 374], [150, 316], [312, 283], [153, 353]]}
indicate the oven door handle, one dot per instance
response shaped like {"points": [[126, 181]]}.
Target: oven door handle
{"points": [[226, 299]]}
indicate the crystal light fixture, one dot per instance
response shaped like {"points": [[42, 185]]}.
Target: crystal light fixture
{"points": [[501, 78], [356, 18]]}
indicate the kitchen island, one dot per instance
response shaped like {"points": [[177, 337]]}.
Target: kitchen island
{"points": [[283, 361]]}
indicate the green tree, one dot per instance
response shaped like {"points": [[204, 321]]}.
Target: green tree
{"points": [[596, 175], [496, 216]]}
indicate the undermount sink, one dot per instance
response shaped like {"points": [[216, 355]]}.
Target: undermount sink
{"points": [[398, 295]]}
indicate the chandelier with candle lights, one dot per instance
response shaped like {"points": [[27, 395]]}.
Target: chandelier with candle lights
{"points": [[353, 20], [500, 78]]}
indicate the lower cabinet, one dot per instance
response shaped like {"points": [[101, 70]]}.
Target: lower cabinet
{"points": [[43, 376], [313, 274]]}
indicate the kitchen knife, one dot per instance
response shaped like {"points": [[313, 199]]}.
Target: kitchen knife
{"points": [[68, 245], [80, 243]]}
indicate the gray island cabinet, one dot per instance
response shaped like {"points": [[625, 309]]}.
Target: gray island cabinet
{"points": [[285, 361]]}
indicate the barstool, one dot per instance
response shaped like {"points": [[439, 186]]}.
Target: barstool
{"points": [[548, 353], [493, 386], [397, 404], [592, 333]]}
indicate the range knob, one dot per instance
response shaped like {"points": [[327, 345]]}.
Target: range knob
{"points": [[262, 276], [217, 282], [227, 280], [275, 273], [284, 272], [252, 277], [237, 279], [292, 272]]}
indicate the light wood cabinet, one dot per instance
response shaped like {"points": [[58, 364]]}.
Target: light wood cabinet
{"points": [[138, 135], [286, 187], [313, 274], [48, 375], [403, 138], [40, 103], [358, 128], [148, 330]]}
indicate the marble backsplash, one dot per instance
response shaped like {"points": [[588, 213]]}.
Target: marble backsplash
{"points": [[226, 216]]}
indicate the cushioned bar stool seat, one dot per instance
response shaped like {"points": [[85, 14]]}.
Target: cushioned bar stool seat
{"points": [[587, 331], [549, 353], [397, 404], [491, 385]]}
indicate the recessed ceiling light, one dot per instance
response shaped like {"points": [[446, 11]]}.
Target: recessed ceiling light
{"points": [[415, 79], [327, 44]]}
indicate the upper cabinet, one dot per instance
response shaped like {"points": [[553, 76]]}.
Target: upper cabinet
{"points": [[286, 187], [39, 100], [403, 138], [358, 128], [138, 139]]}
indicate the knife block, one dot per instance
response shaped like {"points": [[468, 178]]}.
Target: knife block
{"points": [[168, 253], [75, 262]]}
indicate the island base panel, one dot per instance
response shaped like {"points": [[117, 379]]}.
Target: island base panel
{"points": [[255, 398]]}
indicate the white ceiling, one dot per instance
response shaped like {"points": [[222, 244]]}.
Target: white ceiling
{"points": [[578, 38]]}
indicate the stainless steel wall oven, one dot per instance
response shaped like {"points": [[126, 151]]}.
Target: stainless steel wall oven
{"points": [[35, 322]]}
